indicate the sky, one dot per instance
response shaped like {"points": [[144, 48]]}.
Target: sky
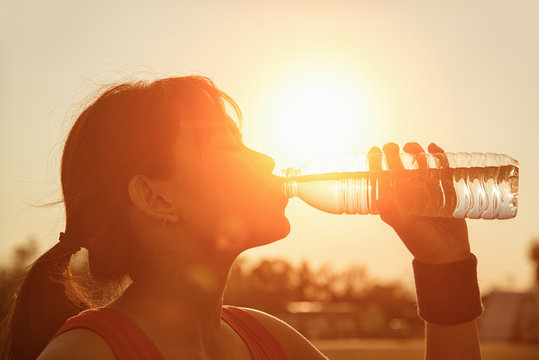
{"points": [[309, 76]]}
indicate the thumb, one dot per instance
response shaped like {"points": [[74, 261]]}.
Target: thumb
{"points": [[389, 212]]}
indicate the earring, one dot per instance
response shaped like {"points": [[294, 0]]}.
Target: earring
{"points": [[164, 221]]}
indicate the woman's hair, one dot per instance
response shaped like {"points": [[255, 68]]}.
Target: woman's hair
{"points": [[130, 129]]}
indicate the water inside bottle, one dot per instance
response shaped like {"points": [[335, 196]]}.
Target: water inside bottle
{"points": [[473, 192]]}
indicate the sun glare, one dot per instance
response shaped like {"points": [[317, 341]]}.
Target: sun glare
{"points": [[316, 111]]}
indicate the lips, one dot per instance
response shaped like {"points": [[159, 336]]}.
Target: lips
{"points": [[282, 199], [276, 193]]}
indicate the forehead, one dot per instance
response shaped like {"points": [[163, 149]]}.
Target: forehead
{"points": [[196, 148], [195, 136], [202, 128]]}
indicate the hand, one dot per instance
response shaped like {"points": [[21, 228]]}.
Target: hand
{"points": [[433, 240]]}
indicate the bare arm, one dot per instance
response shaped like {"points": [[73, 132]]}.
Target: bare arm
{"points": [[436, 241], [452, 342], [82, 344]]}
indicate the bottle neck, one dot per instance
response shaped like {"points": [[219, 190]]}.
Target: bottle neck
{"points": [[290, 184], [290, 188]]}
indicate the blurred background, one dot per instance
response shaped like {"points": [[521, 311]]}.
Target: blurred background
{"points": [[310, 77]]}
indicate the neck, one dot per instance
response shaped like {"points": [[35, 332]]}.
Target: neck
{"points": [[180, 299]]}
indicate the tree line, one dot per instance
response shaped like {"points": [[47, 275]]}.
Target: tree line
{"points": [[273, 284]]}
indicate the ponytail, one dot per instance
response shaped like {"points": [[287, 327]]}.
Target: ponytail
{"points": [[45, 300]]}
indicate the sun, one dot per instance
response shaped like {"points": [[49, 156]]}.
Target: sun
{"points": [[319, 110]]}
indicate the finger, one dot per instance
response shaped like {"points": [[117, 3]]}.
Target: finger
{"points": [[418, 193], [375, 158], [418, 152], [446, 177], [391, 151], [433, 148], [398, 183], [439, 153]]}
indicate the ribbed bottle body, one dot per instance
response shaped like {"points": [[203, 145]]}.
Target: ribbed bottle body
{"points": [[460, 185]]}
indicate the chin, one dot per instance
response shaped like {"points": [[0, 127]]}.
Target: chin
{"points": [[281, 230], [270, 232]]}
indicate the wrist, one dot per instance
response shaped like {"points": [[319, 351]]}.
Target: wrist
{"points": [[445, 259], [448, 294]]}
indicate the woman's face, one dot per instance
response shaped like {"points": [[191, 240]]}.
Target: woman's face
{"points": [[227, 192]]}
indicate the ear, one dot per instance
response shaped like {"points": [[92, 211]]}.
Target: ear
{"points": [[153, 197]]}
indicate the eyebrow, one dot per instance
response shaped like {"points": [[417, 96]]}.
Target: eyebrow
{"points": [[229, 126]]}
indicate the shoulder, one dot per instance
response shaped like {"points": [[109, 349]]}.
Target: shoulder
{"points": [[82, 344], [295, 344]]}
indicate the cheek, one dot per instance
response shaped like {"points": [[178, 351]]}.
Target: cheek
{"points": [[263, 216], [233, 200], [227, 184]]}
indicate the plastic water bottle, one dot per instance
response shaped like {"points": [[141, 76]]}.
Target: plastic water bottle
{"points": [[459, 185]]}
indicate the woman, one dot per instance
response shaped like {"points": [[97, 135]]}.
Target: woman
{"points": [[159, 189]]}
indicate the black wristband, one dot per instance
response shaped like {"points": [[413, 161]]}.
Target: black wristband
{"points": [[448, 294]]}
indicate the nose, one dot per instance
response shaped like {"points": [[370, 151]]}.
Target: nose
{"points": [[262, 161]]}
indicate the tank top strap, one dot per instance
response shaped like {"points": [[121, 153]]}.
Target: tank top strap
{"points": [[261, 343], [126, 339], [129, 342]]}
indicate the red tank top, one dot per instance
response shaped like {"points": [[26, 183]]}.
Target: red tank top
{"points": [[129, 342]]}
